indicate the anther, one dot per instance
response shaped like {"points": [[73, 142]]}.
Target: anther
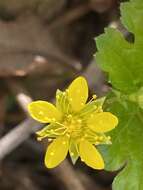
{"points": [[94, 96], [49, 140], [97, 142], [67, 90], [69, 116], [39, 138], [38, 133], [63, 142]]}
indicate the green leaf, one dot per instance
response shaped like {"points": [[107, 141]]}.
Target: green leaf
{"points": [[132, 17], [123, 60], [126, 150]]}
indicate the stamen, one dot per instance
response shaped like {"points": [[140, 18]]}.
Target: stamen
{"points": [[92, 99], [58, 129], [60, 124], [58, 133], [42, 137], [69, 116], [50, 140], [88, 110], [39, 138], [97, 143], [94, 96]]}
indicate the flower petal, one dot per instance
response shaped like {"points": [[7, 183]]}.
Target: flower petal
{"points": [[102, 122], [90, 155], [56, 152], [43, 111], [78, 93]]}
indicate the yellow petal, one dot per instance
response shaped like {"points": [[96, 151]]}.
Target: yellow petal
{"points": [[56, 152], [43, 111], [102, 122], [90, 155], [78, 93]]}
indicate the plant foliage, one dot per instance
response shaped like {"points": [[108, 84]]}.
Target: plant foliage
{"points": [[123, 61]]}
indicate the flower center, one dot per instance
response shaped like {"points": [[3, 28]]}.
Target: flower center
{"points": [[74, 126]]}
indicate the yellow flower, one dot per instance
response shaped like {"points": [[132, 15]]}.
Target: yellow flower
{"points": [[74, 125]]}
